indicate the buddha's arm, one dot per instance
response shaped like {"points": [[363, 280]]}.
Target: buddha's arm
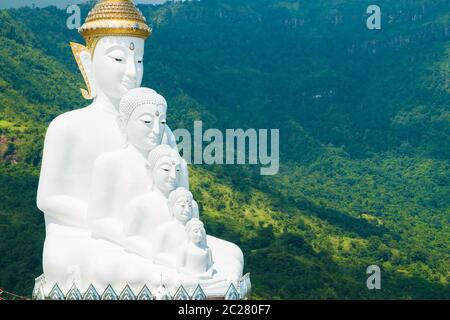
{"points": [[100, 213], [65, 209], [136, 218], [139, 245], [161, 256], [209, 259], [136, 241], [181, 261], [54, 196]]}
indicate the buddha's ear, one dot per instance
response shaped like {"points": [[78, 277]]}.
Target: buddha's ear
{"points": [[121, 123], [195, 209], [147, 165], [151, 184], [84, 62]]}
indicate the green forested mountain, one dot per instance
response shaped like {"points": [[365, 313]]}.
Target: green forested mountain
{"points": [[364, 118]]}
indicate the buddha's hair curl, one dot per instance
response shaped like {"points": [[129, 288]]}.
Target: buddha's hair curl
{"points": [[138, 97]]}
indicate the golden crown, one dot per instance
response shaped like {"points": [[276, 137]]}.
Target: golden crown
{"points": [[113, 18]]}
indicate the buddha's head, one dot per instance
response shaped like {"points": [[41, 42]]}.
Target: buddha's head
{"points": [[196, 233], [112, 60], [180, 204], [118, 65], [142, 118], [164, 167]]}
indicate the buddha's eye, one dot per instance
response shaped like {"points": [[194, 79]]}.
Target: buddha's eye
{"points": [[146, 119], [116, 59], [139, 61], [117, 55], [163, 122]]}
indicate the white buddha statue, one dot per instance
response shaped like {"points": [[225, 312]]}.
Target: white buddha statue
{"points": [[145, 213], [195, 257], [111, 64], [120, 176], [94, 168], [170, 236]]}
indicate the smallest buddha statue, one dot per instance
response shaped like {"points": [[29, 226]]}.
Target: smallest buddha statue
{"points": [[195, 258], [170, 236]]}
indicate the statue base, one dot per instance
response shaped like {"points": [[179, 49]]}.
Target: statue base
{"points": [[234, 292]]}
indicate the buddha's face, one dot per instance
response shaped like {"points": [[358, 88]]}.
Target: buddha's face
{"points": [[182, 209], [166, 174], [197, 234], [118, 65], [145, 128]]}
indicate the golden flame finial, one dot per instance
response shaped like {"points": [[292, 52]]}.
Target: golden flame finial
{"points": [[113, 18]]}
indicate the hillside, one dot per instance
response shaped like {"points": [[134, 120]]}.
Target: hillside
{"points": [[364, 118]]}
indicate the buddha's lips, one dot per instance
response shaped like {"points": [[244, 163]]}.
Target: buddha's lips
{"points": [[153, 139], [171, 183], [184, 215]]}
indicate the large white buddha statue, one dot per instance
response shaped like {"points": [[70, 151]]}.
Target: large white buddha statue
{"points": [[95, 164]]}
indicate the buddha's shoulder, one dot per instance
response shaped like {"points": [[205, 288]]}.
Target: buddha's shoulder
{"points": [[70, 120], [120, 157], [143, 201]]}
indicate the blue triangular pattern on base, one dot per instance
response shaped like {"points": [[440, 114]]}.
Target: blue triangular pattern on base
{"points": [[232, 293], [109, 294], [74, 294], [145, 294], [91, 294], [181, 294], [198, 294], [127, 294], [56, 293]]}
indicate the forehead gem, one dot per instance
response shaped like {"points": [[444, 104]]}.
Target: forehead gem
{"points": [[132, 46], [157, 113]]}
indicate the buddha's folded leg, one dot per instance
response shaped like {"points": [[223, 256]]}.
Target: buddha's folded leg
{"points": [[118, 268], [228, 258], [66, 260]]}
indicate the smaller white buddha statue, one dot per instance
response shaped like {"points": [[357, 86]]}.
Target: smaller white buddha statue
{"points": [[195, 257], [171, 235], [145, 213], [119, 176]]}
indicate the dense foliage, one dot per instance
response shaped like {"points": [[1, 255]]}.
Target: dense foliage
{"points": [[364, 118]]}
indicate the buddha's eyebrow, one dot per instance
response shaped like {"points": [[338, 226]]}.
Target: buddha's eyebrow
{"points": [[115, 47]]}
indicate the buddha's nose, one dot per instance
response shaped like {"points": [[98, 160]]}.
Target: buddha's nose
{"points": [[131, 71], [156, 128], [172, 174]]}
